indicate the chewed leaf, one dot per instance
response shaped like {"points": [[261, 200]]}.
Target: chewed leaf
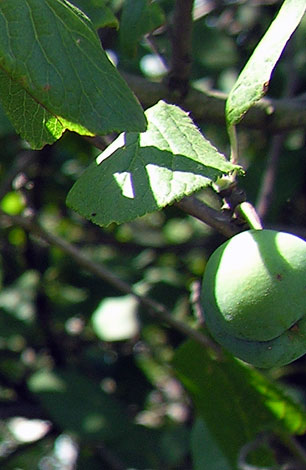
{"points": [[142, 173], [253, 81], [53, 67]]}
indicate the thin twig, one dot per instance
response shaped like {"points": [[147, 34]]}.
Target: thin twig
{"points": [[221, 221], [150, 39], [263, 439], [295, 447], [98, 142], [247, 449], [155, 309], [266, 191], [269, 115]]}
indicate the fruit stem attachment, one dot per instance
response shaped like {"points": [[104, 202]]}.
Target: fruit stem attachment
{"points": [[248, 212]]}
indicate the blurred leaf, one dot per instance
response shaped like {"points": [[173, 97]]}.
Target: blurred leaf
{"points": [[175, 445], [139, 17], [18, 298], [12, 203], [26, 457], [142, 173], [77, 404], [140, 448], [10, 326], [206, 453], [253, 81], [235, 401], [55, 75], [115, 318], [99, 13]]}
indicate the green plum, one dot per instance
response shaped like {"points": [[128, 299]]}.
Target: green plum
{"points": [[254, 297]]}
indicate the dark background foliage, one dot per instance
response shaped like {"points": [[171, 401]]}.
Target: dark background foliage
{"points": [[117, 404]]}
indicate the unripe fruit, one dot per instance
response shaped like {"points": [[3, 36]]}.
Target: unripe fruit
{"points": [[254, 297]]}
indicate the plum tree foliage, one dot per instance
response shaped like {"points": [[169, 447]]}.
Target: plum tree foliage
{"points": [[145, 145]]}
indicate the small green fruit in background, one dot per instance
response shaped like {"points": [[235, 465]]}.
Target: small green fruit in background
{"points": [[254, 297]]}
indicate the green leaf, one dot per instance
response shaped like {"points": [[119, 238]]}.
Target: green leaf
{"points": [[5, 125], [142, 173], [205, 451], [99, 13], [207, 454], [18, 298], [55, 75], [235, 401], [139, 17], [253, 81], [77, 404], [30, 119]]}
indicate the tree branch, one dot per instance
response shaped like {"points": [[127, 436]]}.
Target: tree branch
{"points": [[260, 440], [269, 115], [181, 34], [155, 309], [221, 221]]}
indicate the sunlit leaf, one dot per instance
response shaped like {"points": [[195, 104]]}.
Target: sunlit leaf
{"points": [[142, 173], [235, 401], [56, 76], [253, 81]]}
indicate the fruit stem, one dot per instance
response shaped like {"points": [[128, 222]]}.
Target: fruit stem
{"points": [[248, 212]]}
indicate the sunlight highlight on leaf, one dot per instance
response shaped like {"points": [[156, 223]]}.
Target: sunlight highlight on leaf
{"points": [[142, 173], [125, 182], [253, 81], [55, 75]]}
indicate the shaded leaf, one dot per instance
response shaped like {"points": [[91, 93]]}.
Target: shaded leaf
{"points": [[18, 299], [55, 75], [235, 401], [141, 173], [253, 81], [99, 13], [77, 404], [139, 17], [206, 452]]}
